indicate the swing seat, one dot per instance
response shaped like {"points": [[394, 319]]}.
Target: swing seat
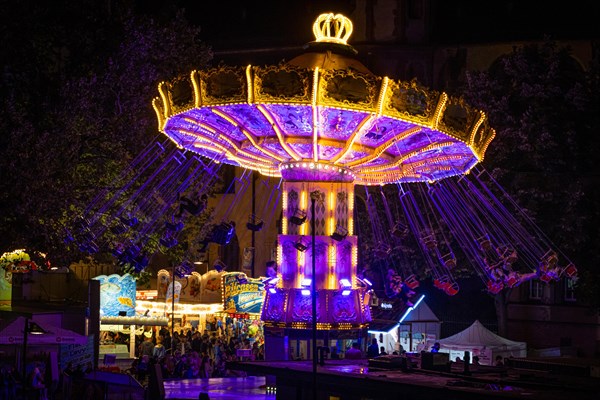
{"points": [[254, 224], [400, 230], [570, 270], [339, 234], [219, 266], [118, 229], [168, 242], [301, 245], [299, 217], [430, 242], [174, 227], [133, 221], [442, 283], [452, 289], [507, 254], [90, 247], [449, 261], [485, 244], [412, 282], [550, 259], [223, 233], [512, 280], [494, 287]]}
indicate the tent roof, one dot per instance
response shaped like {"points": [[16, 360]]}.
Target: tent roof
{"points": [[422, 313], [13, 334], [479, 335]]}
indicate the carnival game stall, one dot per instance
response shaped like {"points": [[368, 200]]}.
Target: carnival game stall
{"points": [[186, 301], [120, 322], [243, 298]]}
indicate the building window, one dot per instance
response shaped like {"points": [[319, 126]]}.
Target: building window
{"points": [[536, 290], [570, 289]]}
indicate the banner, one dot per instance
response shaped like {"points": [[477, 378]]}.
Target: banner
{"points": [[5, 287], [169, 298], [242, 294]]}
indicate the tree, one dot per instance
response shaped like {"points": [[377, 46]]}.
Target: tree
{"points": [[543, 106], [77, 92]]}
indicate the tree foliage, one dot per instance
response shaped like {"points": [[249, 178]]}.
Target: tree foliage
{"points": [[76, 99], [543, 105]]}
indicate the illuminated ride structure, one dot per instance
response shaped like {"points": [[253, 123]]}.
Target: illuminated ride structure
{"points": [[323, 123]]}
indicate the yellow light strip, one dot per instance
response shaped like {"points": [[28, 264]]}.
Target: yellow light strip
{"points": [[315, 114], [332, 278], [487, 143], [382, 91], [246, 133], [354, 260], [196, 85], [331, 212], [265, 162], [161, 307], [279, 254], [303, 205], [351, 212], [162, 120], [249, 80], [439, 110], [375, 153], [278, 132], [165, 99], [400, 160], [217, 148], [365, 124], [476, 127], [300, 259], [284, 207]]}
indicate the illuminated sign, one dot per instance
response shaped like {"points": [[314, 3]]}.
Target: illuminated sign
{"points": [[386, 306], [242, 294]]}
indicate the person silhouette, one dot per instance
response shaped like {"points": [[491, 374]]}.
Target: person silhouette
{"points": [[191, 206]]}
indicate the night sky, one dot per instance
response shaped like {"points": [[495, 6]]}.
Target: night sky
{"points": [[239, 22]]}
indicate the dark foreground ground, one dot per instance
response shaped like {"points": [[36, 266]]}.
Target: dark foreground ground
{"points": [[359, 379]]}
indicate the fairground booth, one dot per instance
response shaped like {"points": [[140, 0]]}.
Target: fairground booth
{"points": [[214, 302]]}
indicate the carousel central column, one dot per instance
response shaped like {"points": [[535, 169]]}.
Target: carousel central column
{"points": [[317, 227], [334, 243]]}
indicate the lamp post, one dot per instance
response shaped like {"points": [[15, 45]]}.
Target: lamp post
{"points": [[173, 311], [28, 328], [24, 357], [253, 234], [313, 197]]}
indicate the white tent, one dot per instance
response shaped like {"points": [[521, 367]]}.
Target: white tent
{"points": [[481, 342], [13, 334]]}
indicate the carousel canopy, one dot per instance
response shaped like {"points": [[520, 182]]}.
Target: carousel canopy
{"points": [[323, 116]]}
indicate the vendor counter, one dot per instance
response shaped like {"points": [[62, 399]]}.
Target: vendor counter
{"points": [[119, 350]]}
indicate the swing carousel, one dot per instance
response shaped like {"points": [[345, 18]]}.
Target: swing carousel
{"points": [[323, 123]]}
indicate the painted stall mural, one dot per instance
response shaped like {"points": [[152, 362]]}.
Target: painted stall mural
{"points": [[195, 288], [117, 295]]}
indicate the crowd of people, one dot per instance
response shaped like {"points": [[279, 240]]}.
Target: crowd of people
{"points": [[188, 353]]}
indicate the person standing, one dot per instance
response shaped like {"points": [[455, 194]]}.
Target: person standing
{"points": [[354, 353], [159, 350], [373, 349], [147, 345], [37, 382]]}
